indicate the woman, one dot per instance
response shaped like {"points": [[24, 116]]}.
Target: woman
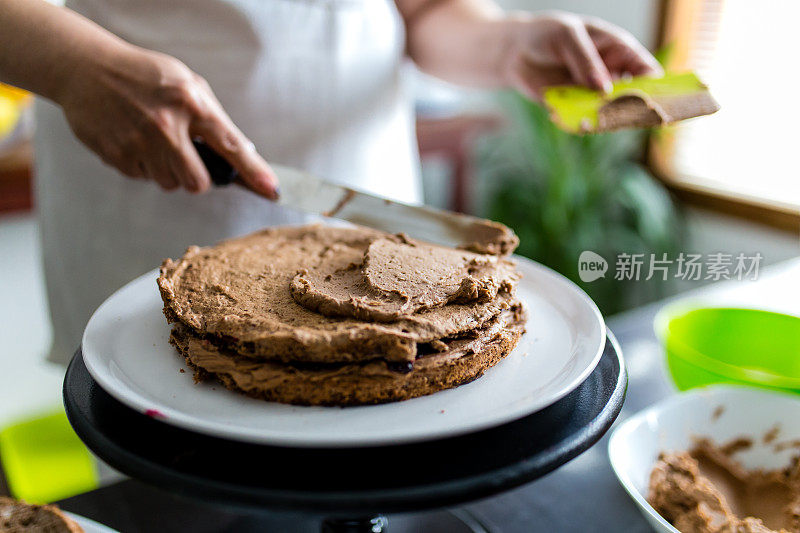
{"points": [[314, 84]]}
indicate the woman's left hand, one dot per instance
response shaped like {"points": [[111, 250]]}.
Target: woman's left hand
{"points": [[560, 48]]}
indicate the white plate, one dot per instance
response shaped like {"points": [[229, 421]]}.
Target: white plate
{"points": [[125, 349], [721, 413], [90, 526]]}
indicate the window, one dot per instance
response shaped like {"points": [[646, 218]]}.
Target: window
{"points": [[747, 153]]}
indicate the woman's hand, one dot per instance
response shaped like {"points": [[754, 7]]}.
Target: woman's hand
{"points": [[561, 48], [139, 111], [474, 42]]}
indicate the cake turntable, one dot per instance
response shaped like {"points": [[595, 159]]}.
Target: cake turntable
{"points": [[351, 486]]}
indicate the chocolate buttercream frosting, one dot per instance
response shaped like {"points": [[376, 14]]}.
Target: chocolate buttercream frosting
{"points": [[396, 277], [324, 315], [705, 490]]}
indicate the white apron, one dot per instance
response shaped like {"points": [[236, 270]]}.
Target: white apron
{"points": [[314, 84]]}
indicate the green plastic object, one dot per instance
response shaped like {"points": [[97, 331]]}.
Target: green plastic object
{"points": [[44, 460], [729, 345], [575, 108]]}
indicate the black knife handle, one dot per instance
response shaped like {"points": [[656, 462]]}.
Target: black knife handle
{"points": [[221, 172]]}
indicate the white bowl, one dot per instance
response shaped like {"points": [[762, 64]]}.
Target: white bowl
{"points": [[719, 412]]}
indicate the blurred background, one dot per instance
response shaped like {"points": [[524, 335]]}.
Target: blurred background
{"points": [[725, 183]]}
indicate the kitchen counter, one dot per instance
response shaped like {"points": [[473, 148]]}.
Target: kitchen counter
{"points": [[583, 495]]}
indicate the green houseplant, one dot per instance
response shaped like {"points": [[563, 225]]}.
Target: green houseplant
{"points": [[565, 193]]}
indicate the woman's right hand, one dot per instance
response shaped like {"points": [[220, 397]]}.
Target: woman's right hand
{"points": [[140, 110]]}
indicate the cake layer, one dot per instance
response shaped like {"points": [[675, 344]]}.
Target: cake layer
{"points": [[443, 364]]}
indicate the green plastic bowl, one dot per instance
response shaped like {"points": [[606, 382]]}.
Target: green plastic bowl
{"points": [[728, 345]]}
